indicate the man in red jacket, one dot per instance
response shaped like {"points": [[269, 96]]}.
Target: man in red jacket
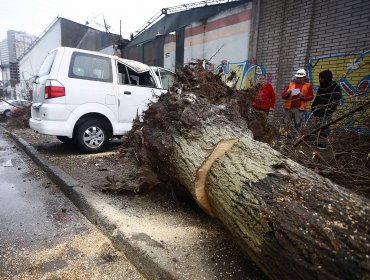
{"points": [[296, 95], [264, 100]]}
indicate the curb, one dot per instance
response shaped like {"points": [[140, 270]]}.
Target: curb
{"points": [[73, 190]]}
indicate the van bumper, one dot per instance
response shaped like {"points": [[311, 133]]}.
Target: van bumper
{"points": [[56, 128]]}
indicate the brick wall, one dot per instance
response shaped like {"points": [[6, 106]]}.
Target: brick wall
{"points": [[290, 33]]}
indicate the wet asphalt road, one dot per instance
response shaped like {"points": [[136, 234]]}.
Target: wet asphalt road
{"points": [[42, 234]]}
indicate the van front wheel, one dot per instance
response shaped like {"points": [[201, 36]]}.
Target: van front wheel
{"points": [[91, 136]]}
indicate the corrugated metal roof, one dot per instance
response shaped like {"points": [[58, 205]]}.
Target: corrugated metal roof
{"points": [[172, 22]]}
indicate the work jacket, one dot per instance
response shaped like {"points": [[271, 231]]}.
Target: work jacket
{"points": [[264, 98], [296, 100], [327, 99]]}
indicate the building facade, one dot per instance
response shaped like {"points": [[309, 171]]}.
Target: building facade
{"points": [[209, 31], [4, 64], [316, 35], [11, 49], [273, 38]]}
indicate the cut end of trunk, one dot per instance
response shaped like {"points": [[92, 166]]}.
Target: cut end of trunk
{"points": [[200, 180]]}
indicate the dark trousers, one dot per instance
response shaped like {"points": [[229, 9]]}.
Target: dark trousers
{"points": [[320, 121]]}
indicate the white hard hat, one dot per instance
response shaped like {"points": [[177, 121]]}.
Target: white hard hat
{"points": [[300, 73]]}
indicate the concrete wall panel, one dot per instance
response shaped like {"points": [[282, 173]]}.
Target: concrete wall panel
{"points": [[224, 36], [31, 62]]}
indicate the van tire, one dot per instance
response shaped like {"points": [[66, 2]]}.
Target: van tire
{"points": [[7, 114], [91, 136]]}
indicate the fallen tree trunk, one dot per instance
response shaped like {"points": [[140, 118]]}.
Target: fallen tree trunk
{"points": [[292, 222]]}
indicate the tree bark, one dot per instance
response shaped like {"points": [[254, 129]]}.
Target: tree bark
{"points": [[292, 222]]}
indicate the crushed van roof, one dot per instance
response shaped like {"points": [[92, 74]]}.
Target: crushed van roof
{"points": [[135, 65]]}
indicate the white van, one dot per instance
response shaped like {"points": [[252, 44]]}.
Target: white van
{"points": [[86, 97]]}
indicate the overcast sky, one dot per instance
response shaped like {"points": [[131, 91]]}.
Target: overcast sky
{"points": [[34, 16]]}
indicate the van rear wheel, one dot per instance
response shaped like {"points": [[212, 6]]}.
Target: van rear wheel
{"points": [[91, 136]]}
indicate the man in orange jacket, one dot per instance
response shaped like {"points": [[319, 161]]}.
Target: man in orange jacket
{"points": [[296, 95]]}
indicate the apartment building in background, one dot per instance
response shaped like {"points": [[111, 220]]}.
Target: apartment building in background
{"points": [[11, 48]]}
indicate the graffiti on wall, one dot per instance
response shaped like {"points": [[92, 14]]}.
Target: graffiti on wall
{"points": [[352, 72], [247, 72]]}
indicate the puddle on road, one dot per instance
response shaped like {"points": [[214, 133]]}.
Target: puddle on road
{"points": [[31, 207]]}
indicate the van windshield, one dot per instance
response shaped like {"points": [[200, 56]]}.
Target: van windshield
{"points": [[46, 65], [167, 78]]}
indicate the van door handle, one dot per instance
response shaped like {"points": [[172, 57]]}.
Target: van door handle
{"points": [[127, 92]]}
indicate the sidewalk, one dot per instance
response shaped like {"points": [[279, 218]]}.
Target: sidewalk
{"points": [[162, 239]]}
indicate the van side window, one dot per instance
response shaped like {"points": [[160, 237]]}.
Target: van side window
{"points": [[144, 79], [90, 67]]}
